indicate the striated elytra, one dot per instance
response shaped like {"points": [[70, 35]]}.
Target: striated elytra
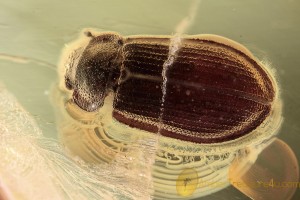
{"points": [[216, 90]]}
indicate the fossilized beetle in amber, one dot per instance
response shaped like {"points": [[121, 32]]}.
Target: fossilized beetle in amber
{"points": [[217, 101], [216, 90]]}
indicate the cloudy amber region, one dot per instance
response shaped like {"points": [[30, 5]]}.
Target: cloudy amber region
{"points": [[274, 175], [3, 195]]}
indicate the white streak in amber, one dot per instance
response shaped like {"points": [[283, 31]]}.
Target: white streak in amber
{"points": [[174, 47]]}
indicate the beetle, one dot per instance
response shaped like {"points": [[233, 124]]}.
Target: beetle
{"points": [[216, 90]]}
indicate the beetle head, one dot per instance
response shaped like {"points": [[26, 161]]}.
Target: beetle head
{"points": [[94, 70]]}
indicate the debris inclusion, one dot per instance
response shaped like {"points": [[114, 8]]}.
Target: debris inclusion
{"points": [[173, 50], [175, 43]]}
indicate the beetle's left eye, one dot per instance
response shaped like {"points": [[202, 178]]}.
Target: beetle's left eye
{"points": [[120, 42]]}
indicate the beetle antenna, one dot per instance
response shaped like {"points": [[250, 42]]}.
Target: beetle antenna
{"points": [[88, 34]]}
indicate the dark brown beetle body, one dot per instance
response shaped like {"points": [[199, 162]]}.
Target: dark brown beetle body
{"points": [[216, 91]]}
